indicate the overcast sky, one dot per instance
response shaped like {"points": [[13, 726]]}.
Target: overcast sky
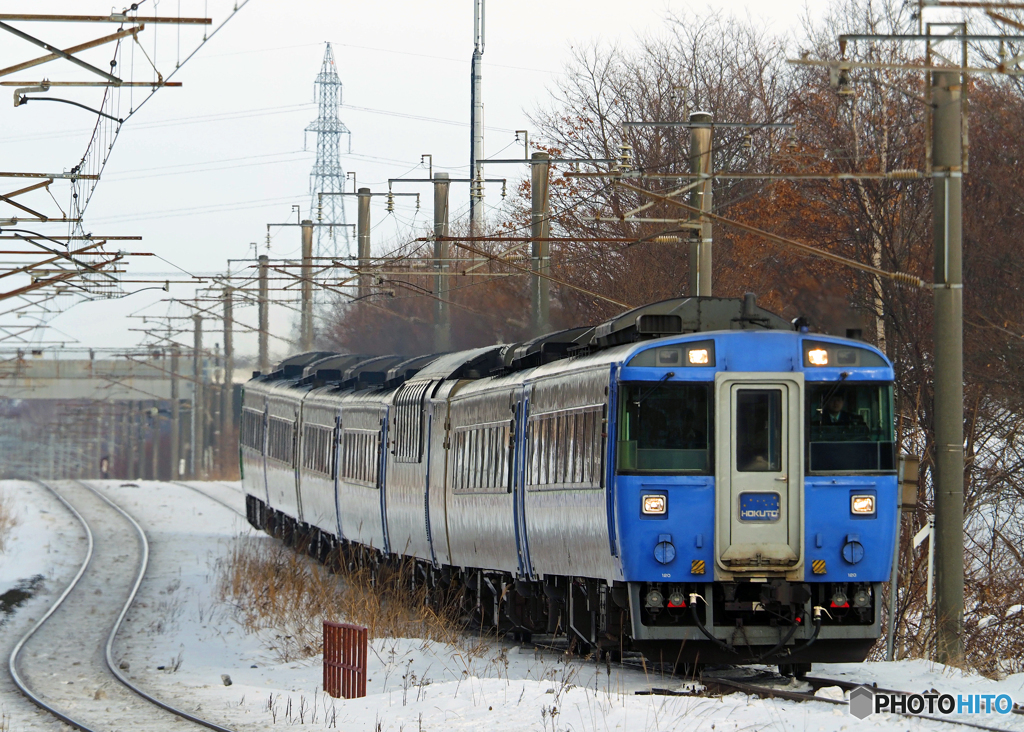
{"points": [[201, 170]]}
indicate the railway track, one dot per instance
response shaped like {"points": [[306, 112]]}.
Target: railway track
{"points": [[65, 663], [215, 499]]}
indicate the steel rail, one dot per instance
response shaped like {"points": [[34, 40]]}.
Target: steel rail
{"points": [[108, 651], [108, 655], [207, 495], [12, 663]]}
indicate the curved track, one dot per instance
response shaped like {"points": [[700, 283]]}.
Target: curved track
{"points": [[69, 638], [225, 504]]}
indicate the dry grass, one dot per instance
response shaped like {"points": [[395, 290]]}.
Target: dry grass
{"points": [[276, 590], [8, 519]]}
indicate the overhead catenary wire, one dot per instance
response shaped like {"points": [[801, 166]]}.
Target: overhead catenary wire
{"points": [[902, 277]]}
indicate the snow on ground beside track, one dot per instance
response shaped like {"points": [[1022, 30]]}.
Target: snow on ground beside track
{"points": [[179, 623], [37, 543], [47, 543]]}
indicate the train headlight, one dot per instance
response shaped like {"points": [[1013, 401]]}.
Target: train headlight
{"points": [[698, 356], [655, 505], [862, 505], [817, 357]]}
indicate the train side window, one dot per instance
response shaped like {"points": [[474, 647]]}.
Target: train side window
{"points": [[281, 439], [359, 461], [480, 459], [564, 449], [316, 449], [251, 432]]}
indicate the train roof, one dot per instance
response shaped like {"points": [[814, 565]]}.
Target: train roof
{"points": [[680, 315], [473, 364], [614, 341]]}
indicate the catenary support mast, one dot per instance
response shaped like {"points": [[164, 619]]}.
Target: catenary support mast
{"points": [[476, 155], [442, 324], [947, 156], [540, 289], [306, 325], [700, 197]]}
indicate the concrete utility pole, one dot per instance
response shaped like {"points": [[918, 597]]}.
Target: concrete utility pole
{"points": [[139, 454], [947, 160], [700, 197], [199, 409], [540, 287], [175, 413], [476, 150], [227, 410], [154, 431], [306, 325], [264, 317], [363, 240], [442, 322]]}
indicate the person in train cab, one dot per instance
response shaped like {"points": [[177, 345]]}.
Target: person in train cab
{"points": [[692, 437], [835, 414]]}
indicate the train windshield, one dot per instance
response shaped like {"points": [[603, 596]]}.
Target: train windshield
{"points": [[663, 428], [850, 428]]}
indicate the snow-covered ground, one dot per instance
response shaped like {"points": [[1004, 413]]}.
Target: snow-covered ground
{"points": [[180, 640], [43, 553]]}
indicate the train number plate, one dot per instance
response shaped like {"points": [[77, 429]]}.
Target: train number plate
{"points": [[759, 506]]}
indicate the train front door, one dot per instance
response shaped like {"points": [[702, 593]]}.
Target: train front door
{"points": [[759, 473]]}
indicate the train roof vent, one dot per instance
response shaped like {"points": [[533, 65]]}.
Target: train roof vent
{"points": [[474, 364], [545, 348], [480, 365], [331, 368], [686, 315], [293, 366], [402, 372], [372, 372]]}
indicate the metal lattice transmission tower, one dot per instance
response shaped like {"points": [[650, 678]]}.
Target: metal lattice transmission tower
{"points": [[327, 175]]}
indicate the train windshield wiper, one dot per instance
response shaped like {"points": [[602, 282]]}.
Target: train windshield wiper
{"points": [[650, 391]]}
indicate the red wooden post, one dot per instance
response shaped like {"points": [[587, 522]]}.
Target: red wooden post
{"points": [[344, 660]]}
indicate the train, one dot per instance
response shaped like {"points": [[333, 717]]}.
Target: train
{"points": [[698, 480]]}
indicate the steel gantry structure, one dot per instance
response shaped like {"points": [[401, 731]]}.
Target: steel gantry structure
{"points": [[55, 260]]}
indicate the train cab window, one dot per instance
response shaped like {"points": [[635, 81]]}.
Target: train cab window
{"points": [[850, 428], [664, 428]]}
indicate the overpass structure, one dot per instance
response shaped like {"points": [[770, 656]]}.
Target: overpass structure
{"points": [[139, 414]]}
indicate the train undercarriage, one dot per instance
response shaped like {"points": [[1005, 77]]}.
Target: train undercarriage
{"points": [[770, 621]]}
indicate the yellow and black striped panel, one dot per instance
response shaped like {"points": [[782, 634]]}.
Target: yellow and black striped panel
{"points": [[818, 566], [697, 566]]}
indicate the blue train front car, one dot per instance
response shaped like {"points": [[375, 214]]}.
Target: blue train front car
{"points": [[755, 494]]}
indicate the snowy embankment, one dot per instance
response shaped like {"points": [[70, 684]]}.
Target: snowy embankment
{"points": [[180, 640]]}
